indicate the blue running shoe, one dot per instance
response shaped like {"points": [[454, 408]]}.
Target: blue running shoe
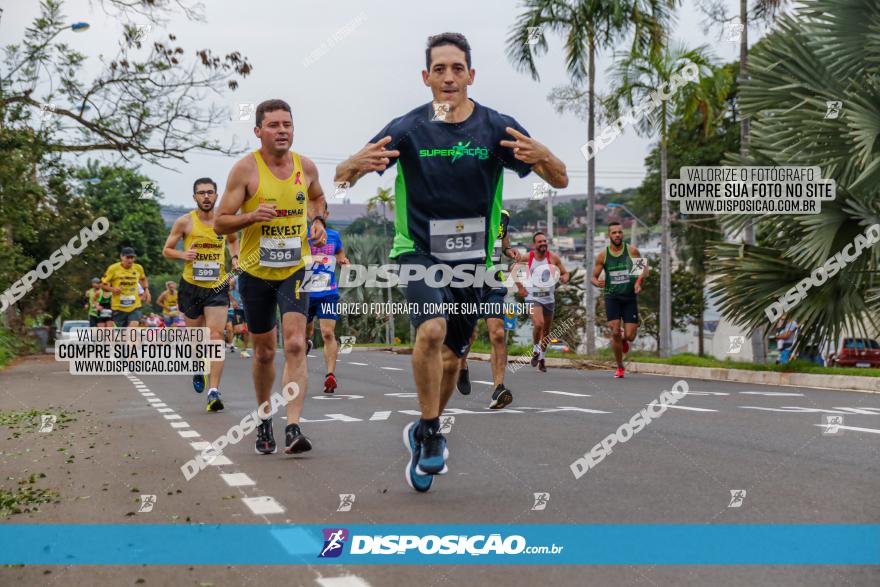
{"points": [[419, 482], [199, 382], [432, 459], [214, 403]]}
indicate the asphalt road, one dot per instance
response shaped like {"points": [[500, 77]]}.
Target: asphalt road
{"points": [[126, 442]]}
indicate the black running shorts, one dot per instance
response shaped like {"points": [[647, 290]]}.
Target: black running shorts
{"points": [[493, 302], [428, 301], [192, 299], [261, 297], [622, 306]]}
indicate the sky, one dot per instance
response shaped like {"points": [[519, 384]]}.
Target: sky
{"points": [[345, 93]]}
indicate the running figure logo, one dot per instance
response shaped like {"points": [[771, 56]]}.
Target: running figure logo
{"points": [[736, 345], [446, 423], [147, 503], [736, 498], [148, 189], [541, 500], [441, 109], [832, 424], [734, 31], [245, 111], [832, 109], [540, 191], [535, 33], [341, 189], [639, 266], [346, 500], [334, 540], [47, 422], [345, 344]]}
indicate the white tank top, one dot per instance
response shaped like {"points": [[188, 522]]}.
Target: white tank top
{"points": [[543, 276]]}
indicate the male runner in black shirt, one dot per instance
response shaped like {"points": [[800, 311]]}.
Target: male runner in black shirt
{"points": [[448, 209]]}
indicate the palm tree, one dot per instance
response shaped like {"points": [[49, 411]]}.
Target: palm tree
{"points": [[826, 51], [384, 198], [587, 27], [637, 76]]}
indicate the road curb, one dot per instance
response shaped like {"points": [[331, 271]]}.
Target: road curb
{"points": [[838, 382]]}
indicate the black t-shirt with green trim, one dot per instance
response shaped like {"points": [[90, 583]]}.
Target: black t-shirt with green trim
{"points": [[449, 175]]}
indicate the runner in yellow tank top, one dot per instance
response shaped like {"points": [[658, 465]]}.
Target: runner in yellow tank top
{"points": [[203, 291], [167, 300], [269, 196]]}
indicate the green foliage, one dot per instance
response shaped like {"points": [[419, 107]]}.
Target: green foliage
{"points": [[827, 50]]}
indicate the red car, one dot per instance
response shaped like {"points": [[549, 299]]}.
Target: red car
{"points": [[857, 352]]}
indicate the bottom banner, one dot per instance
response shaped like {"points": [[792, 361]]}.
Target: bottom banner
{"points": [[419, 544]]}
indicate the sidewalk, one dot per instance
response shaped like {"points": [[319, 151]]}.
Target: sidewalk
{"points": [[840, 382]]}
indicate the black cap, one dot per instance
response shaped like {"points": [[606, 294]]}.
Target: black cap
{"points": [[128, 252]]}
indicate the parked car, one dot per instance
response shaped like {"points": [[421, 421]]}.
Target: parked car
{"points": [[856, 352], [558, 345], [68, 327]]}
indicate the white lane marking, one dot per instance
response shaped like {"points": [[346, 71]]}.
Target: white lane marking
{"points": [[337, 396], [172, 416], [200, 445], [164, 410], [263, 505], [380, 416], [180, 424], [237, 479], [358, 364], [160, 405], [154, 400], [566, 393], [188, 433], [342, 418], [855, 428], [483, 382], [148, 394], [772, 393], [687, 408], [311, 356], [793, 410], [344, 581], [706, 393], [391, 368], [219, 461]]}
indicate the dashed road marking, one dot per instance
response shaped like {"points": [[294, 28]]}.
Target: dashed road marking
{"points": [[200, 445], [237, 479], [188, 433], [180, 424], [263, 505], [853, 428], [483, 382], [219, 461], [687, 408], [164, 410], [566, 393], [345, 581], [772, 393], [384, 415], [358, 364], [172, 416], [391, 368]]}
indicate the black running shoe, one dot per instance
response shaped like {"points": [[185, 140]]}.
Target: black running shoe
{"points": [[294, 440], [265, 438], [464, 382], [432, 458], [501, 397], [534, 361], [541, 366]]}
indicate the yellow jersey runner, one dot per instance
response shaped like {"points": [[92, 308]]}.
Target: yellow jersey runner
{"points": [[208, 269], [277, 249]]}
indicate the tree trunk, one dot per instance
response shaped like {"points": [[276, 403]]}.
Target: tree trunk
{"points": [[759, 354], [701, 350], [665, 249], [589, 259]]}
